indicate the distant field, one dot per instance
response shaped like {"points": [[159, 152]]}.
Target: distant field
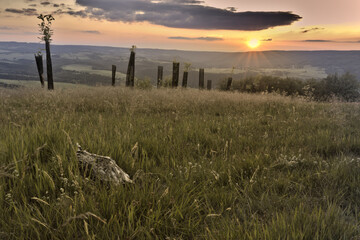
{"points": [[90, 70], [206, 164], [306, 72]]}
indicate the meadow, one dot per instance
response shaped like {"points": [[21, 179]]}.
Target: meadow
{"points": [[205, 165]]}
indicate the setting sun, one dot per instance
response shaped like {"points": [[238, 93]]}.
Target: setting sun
{"points": [[253, 43]]}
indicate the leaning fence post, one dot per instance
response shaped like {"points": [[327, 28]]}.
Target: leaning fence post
{"points": [[176, 71], [113, 75], [201, 78], [160, 76], [229, 82], [40, 68], [209, 84]]}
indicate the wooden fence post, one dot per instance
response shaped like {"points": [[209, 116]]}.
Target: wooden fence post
{"points": [[40, 68], [229, 82], [185, 79], [201, 78], [49, 66], [176, 71], [160, 76], [113, 75], [209, 84], [130, 75]]}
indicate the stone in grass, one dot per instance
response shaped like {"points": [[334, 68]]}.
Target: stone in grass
{"points": [[101, 167]]}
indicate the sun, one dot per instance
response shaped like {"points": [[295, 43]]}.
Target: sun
{"points": [[253, 43]]}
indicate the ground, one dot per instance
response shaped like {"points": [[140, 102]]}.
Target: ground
{"points": [[206, 164]]}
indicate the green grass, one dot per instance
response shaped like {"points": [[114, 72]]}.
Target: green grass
{"points": [[208, 165]]}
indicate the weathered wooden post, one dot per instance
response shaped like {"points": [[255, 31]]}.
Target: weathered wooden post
{"points": [[176, 71], [186, 74], [160, 76], [185, 79], [229, 82], [209, 84], [113, 75], [40, 68], [130, 75], [49, 67], [201, 78]]}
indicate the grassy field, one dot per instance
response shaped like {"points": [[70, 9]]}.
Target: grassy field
{"points": [[306, 72], [34, 85], [207, 165], [90, 70]]}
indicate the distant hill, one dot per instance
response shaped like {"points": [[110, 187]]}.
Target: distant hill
{"points": [[92, 64]]}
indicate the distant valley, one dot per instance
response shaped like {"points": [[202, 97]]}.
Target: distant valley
{"points": [[91, 65]]}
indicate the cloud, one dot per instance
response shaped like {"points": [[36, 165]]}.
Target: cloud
{"points": [[6, 28], [209, 39], [24, 11], [56, 5], [91, 31], [80, 13], [306, 30], [318, 40], [45, 3], [266, 40], [329, 41], [188, 14], [32, 5]]}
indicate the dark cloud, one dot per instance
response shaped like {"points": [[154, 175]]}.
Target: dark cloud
{"points": [[56, 5], [32, 5], [267, 40], [329, 41], [6, 28], [209, 39], [45, 3], [306, 30], [318, 40], [184, 14], [91, 32], [24, 11], [80, 13]]}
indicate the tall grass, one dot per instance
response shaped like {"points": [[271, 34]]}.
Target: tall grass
{"points": [[207, 165]]}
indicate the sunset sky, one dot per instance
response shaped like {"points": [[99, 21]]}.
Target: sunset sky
{"points": [[210, 25]]}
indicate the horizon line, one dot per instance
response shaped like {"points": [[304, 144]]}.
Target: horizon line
{"points": [[165, 49]]}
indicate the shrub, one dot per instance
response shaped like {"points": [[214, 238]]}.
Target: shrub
{"points": [[143, 83], [345, 87]]}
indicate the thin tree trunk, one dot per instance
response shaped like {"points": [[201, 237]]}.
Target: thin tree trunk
{"points": [[49, 67]]}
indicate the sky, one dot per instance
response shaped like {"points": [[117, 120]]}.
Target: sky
{"points": [[209, 25]]}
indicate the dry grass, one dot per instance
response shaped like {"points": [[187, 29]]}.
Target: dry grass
{"points": [[209, 165]]}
